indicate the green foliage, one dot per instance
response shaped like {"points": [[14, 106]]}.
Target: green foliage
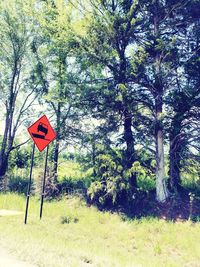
{"points": [[104, 238], [68, 184], [72, 177], [113, 182], [130, 66], [69, 219], [18, 184], [52, 189], [145, 177], [20, 158], [190, 176]]}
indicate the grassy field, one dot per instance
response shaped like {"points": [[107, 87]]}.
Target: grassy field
{"points": [[72, 234]]}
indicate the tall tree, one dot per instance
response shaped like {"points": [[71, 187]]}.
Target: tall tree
{"points": [[15, 38], [158, 38], [56, 70], [109, 34], [184, 100]]}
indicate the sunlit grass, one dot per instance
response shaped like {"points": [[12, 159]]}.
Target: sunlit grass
{"points": [[69, 169], [95, 238]]}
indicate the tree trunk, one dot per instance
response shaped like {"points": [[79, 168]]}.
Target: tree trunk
{"points": [[130, 151], [57, 145], [128, 135], [55, 160], [174, 167], [94, 156], [161, 188], [176, 146], [58, 117], [3, 165], [8, 136]]}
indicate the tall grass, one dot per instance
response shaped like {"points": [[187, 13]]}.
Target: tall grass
{"points": [[72, 234]]}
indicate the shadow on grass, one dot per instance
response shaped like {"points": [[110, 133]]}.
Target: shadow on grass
{"points": [[182, 207]]}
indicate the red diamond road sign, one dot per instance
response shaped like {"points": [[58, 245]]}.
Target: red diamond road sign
{"points": [[42, 133]]}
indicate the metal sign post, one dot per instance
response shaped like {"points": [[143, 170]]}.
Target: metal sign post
{"points": [[42, 134], [43, 185], [29, 185]]}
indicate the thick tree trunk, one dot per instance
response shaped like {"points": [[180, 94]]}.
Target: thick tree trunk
{"points": [[161, 187], [3, 165], [130, 151], [121, 78], [6, 148], [7, 140], [176, 146], [9, 133], [174, 168]]}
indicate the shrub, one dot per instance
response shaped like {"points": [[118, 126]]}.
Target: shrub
{"points": [[70, 184], [18, 184], [146, 180], [72, 177], [69, 219], [190, 176], [113, 182], [20, 158], [52, 189]]}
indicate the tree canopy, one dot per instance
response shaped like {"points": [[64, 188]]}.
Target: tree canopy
{"points": [[120, 80]]}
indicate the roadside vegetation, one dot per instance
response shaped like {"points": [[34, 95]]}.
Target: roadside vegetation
{"points": [[73, 234], [119, 81]]}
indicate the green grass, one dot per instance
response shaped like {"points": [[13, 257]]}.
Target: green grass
{"points": [[71, 175], [72, 234], [70, 169]]}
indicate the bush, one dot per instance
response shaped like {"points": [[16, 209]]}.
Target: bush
{"points": [[190, 176], [146, 180], [69, 219], [70, 185], [113, 183], [18, 184], [52, 189], [20, 158], [72, 177]]}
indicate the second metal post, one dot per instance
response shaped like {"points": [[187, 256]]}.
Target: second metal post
{"points": [[43, 184]]}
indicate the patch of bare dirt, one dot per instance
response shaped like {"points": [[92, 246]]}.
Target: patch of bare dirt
{"points": [[8, 260], [9, 212]]}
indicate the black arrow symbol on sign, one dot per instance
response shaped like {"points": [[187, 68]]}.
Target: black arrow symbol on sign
{"points": [[39, 136]]}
